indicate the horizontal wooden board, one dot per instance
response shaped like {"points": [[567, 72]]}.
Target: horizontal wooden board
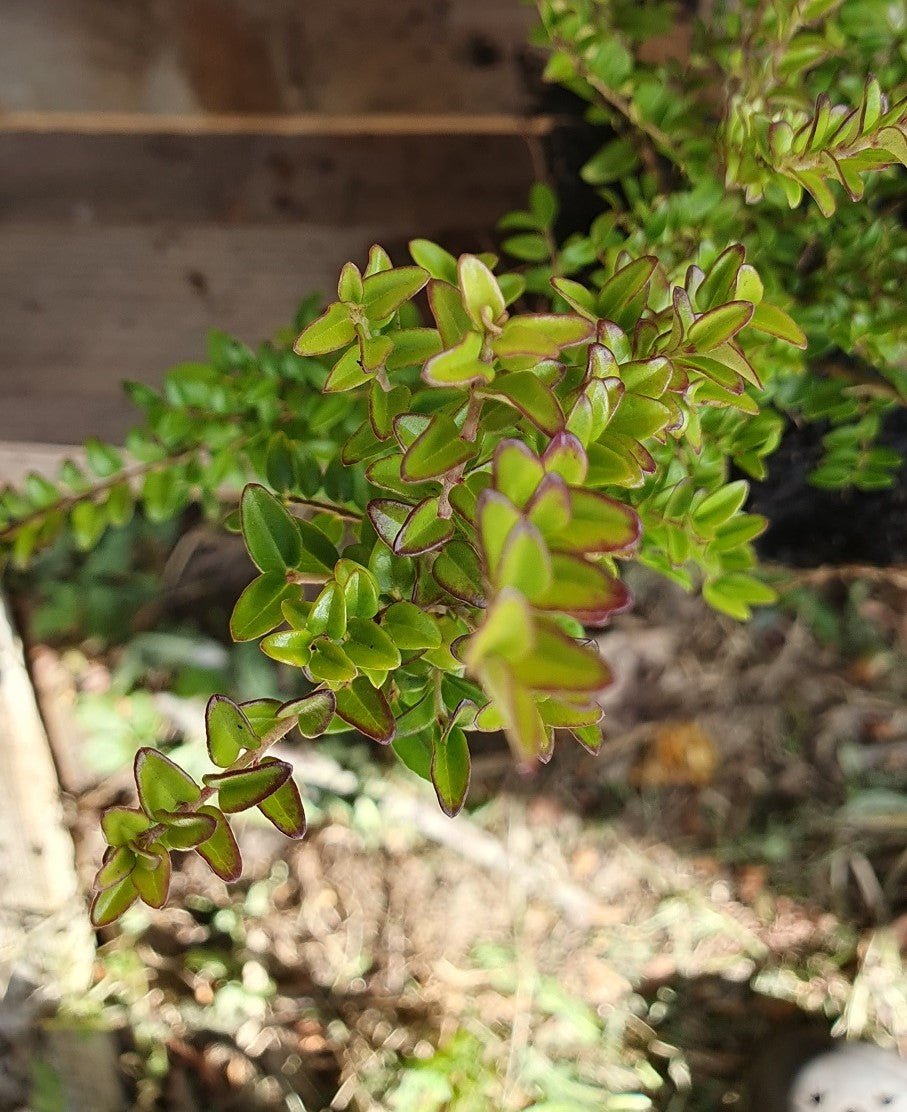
{"points": [[416, 183], [192, 56], [118, 253]]}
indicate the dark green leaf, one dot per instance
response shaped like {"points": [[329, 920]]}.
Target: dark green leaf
{"points": [[450, 769], [258, 608], [109, 905], [369, 646], [239, 790], [284, 806], [313, 713], [270, 532], [221, 851], [185, 829], [366, 709], [458, 571], [435, 451]]}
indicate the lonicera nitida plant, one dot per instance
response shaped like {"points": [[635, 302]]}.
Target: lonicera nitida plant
{"points": [[442, 474]]}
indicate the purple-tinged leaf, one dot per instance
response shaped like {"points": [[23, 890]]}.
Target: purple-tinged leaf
{"points": [[284, 807], [332, 330], [565, 456], [388, 517], [247, 787], [313, 713], [599, 525], [153, 883], [108, 905], [458, 571], [228, 731], [123, 824], [118, 863], [185, 829], [162, 784], [366, 709], [221, 851], [423, 531], [450, 768], [583, 590]]}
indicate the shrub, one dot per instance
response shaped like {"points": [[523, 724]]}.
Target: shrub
{"points": [[443, 476]]}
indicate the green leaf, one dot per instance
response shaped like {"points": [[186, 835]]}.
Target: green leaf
{"points": [[370, 648], [447, 309], [599, 525], [482, 297], [244, 788], [120, 505], [378, 260], [735, 592], [365, 709], [438, 262], [639, 417], [497, 517], [507, 631], [715, 509], [185, 829], [270, 532], [228, 731], [718, 325], [284, 807], [319, 555], [409, 627], [435, 451], [349, 286], [117, 864], [525, 563], [775, 322], [566, 457], [557, 663], [289, 646], [459, 365], [220, 851], [450, 768], [328, 663], [543, 204], [162, 784], [581, 589], [332, 330], [313, 713], [517, 471], [88, 522], [122, 824], [258, 608], [531, 397], [387, 517], [529, 247], [415, 748], [412, 346], [347, 373], [328, 613], [384, 293], [107, 906], [103, 459], [576, 296], [458, 571], [417, 718], [423, 531], [624, 285], [360, 590], [153, 883]]}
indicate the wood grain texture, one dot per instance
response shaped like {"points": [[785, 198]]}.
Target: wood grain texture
{"points": [[192, 56]]}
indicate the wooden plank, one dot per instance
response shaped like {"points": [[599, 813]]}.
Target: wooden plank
{"points": [[417, 184], [194, 56]]}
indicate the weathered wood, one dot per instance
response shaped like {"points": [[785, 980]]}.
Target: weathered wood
{"points": [[199, 56], [118, 253], [45, 936]]}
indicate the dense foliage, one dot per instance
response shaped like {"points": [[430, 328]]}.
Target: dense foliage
{"points": [[443, 475]]}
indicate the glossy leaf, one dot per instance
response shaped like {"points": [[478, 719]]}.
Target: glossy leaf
{"points": [[332, 330], [460, 365], [186, 829], [284, 807], [384, 293], [718, 325], [313, 713], [458, 571], [122, 824], [244, 788], [438, 449], [328, 613], [423, 530], [409, 627], [270, 532], [258, 609], [528, 394], [450, 768], [369, 646], [366, 709], [482, 297], [162, 784], [220, 851], [109, 904], [153, 884], [228, 731]]}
